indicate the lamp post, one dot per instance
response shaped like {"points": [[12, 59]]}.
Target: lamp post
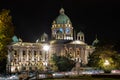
{"points": [[46, 49]]}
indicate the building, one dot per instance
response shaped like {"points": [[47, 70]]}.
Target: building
{"points": [[64, 42]]}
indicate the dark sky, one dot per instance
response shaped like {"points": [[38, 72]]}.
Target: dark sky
{"points": [[33, 17]]}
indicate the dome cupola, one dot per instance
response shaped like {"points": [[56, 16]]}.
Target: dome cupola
{"points": [[62, 18], [80, 36], [15, 39], [44, 37], [62, 27]]}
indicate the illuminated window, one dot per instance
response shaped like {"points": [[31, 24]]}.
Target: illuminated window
{"points": [[69, 25]]}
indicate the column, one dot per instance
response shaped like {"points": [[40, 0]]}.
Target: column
{"points": [[82, 55], [27, 55], [9, 56], [21, 53], [32, 55], [86, 55], [9, 60]]}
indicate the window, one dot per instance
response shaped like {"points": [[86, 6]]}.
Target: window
{"points": [[15, 52], [23, 53], [35, 52]]}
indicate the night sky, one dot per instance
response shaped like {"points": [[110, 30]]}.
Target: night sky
{"points": [[33, 17]]}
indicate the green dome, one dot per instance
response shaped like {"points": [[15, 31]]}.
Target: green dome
{"points": [[15, 39], [62, 18]]}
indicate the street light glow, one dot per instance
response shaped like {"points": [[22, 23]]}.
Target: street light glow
{"points": [[106, 62], [46, 47]]}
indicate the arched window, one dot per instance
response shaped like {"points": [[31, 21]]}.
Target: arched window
{"points": [[78, 52], [71, 52], [65, 51], [82, 38]]}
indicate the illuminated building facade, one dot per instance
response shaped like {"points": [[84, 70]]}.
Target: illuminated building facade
{"points": [[64, 42]]}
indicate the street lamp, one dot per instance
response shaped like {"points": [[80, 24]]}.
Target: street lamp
{"points": [[46, 47], [106, 63]]}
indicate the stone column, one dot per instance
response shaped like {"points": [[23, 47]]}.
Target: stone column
{"points": [[21, 53], [17, 56], [27, 54], [83, 55], [8, 66], [32, 55], [86, 55], [38, 55], [9, 56]]}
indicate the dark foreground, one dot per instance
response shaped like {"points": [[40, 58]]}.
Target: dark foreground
{"points": [[86, 77]]}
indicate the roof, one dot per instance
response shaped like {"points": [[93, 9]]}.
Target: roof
{"points": [[62, 18], [59, 41], [77, 42], [67, 42], [44, 35], [80, 33]]}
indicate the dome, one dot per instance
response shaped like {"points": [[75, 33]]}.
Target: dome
{"points": [[62, 18], [15, 39], [77, 42], [44, 35], [80, 33]]}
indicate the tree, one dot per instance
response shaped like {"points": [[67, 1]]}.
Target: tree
{"points": [[6, 33], [52, 65], [104, 57], [63, 63]]}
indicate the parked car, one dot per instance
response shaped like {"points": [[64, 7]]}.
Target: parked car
{"points": [[115, 71], [58, 74], [41, 76], [12, 77]]}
